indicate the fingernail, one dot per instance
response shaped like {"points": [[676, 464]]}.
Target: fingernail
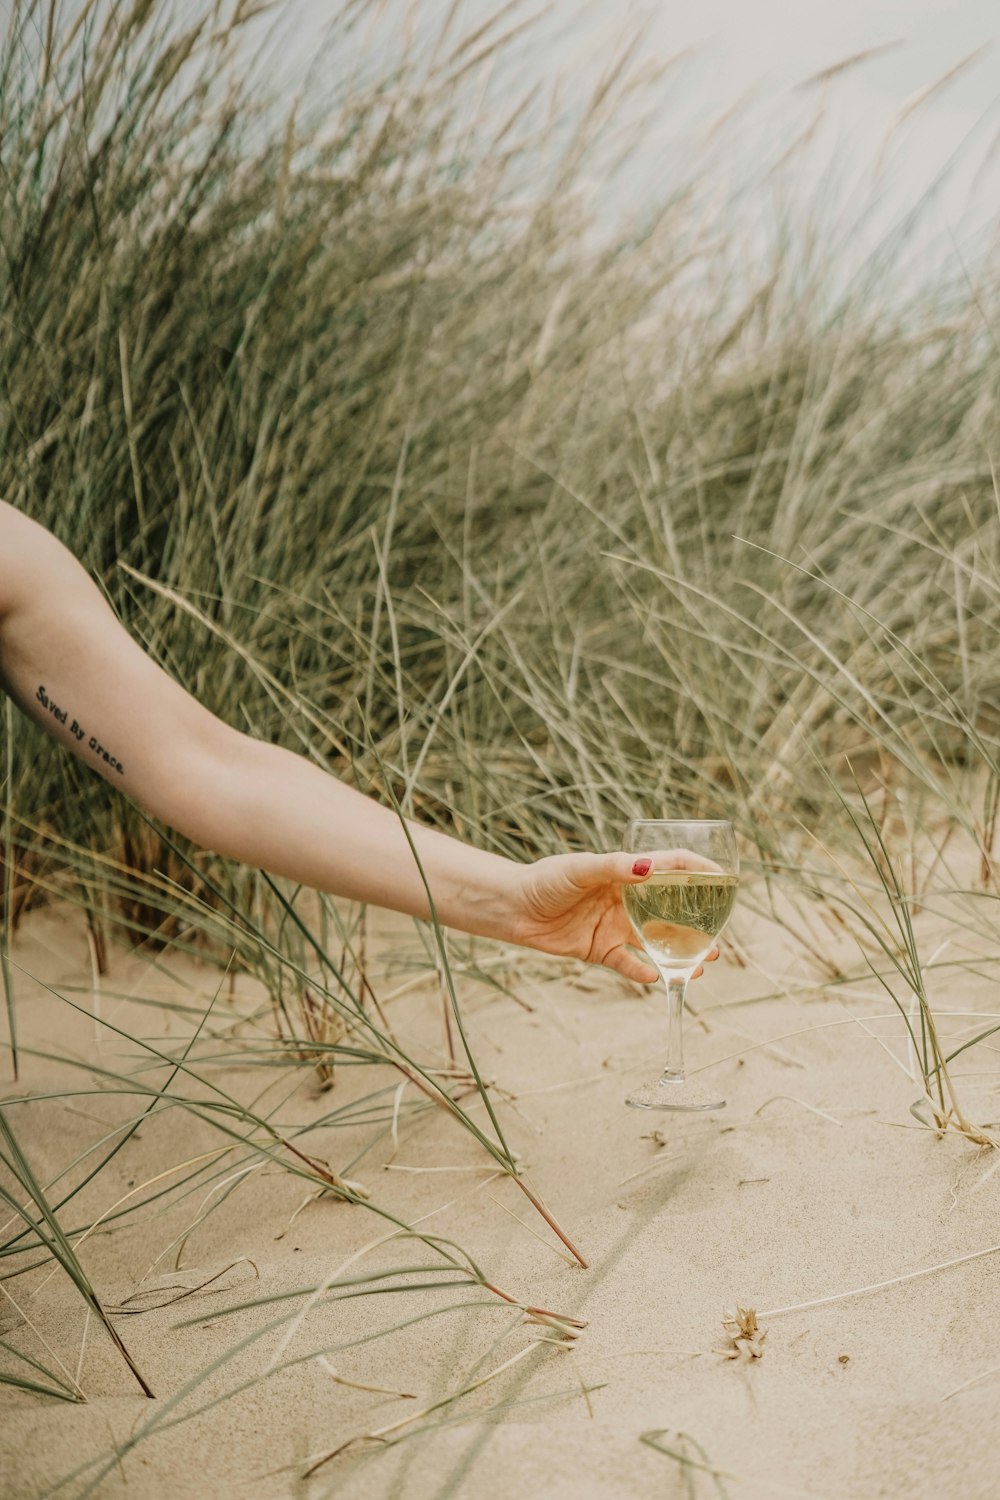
{"points": [[642, 867]]}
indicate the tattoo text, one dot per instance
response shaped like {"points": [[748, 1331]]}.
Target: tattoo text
{"points": [[78, 732]]}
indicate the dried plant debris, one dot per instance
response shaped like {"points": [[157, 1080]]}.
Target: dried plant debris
{"points": [[746, 1338], [561, 1331]]}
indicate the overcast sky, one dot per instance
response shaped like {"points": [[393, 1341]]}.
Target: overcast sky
{"points": [[775, 45], [896, 118], [761, 52]]}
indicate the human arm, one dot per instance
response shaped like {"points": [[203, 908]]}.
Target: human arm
{"points": [[69, 664]]}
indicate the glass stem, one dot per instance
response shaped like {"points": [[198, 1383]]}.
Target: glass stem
{"points": [[676, 986]]}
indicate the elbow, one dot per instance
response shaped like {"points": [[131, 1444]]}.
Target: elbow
{"points": [[201, 791]]}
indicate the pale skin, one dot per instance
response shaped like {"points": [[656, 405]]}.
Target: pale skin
{"points": [[70, 666]]}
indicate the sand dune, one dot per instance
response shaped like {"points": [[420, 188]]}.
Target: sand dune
{"points": [[814, 1181]]}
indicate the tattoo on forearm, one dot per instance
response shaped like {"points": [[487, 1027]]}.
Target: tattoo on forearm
{"points": [[78, 732]]}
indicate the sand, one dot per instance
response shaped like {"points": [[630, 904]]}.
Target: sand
{"points": [[814, 1181]]}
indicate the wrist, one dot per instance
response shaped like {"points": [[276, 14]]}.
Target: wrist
{"points": [[482, 897]]}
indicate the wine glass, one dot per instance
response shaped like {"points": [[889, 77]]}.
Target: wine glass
{"points": [[677, 913]]}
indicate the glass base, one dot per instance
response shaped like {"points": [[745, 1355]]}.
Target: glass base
{"points": [[673, 1093]]}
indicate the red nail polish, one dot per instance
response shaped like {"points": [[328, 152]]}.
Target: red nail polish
{"points": [[642, 867]]}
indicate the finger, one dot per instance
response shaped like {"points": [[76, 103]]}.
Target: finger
{"points": [[617, 868], [683, 859], [709, 959], [631, 868], [625, 962]]}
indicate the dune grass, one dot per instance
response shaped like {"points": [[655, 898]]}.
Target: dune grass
{"points": [[524, 524]]}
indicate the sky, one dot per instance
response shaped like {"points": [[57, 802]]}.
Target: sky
{"points": [[893, 129], [776, 45], [891, 124]]}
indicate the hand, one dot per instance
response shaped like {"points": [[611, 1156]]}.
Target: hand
{"points": [[570, 904]]}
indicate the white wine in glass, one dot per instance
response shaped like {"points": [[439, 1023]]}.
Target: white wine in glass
{"points": [[677, 913]]}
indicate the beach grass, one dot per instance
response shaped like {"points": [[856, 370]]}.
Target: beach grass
{"points": [[392, 452]]}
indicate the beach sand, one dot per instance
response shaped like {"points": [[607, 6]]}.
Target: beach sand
{"points": [[815, 1180]]}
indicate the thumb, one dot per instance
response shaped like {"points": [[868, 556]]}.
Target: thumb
{"points": [[617, 868]]}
